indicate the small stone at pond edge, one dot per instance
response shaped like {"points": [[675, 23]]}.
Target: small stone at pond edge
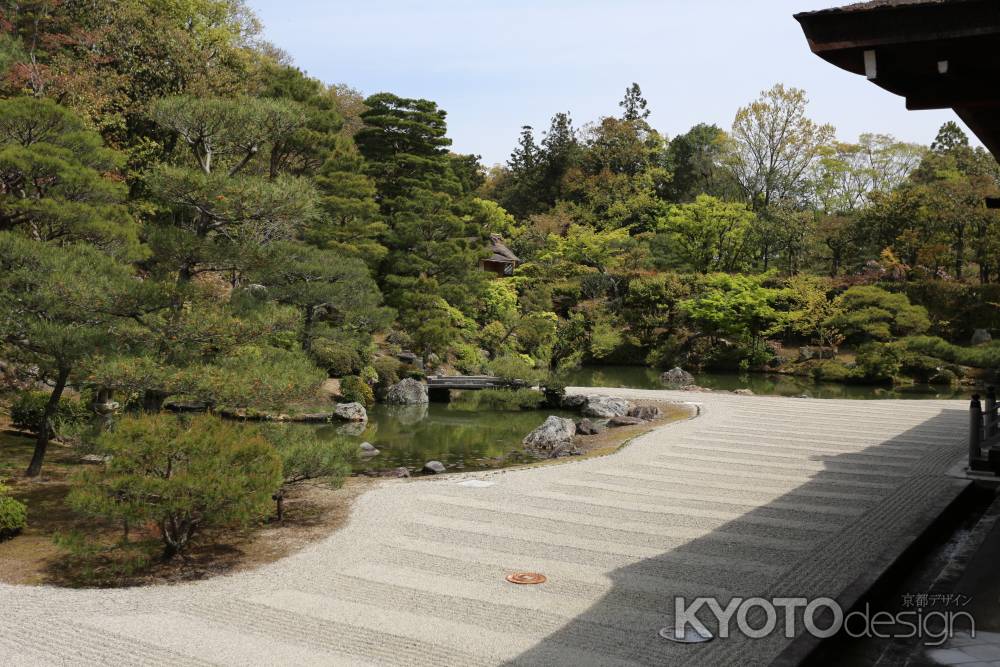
{"points": [[433, 468]]}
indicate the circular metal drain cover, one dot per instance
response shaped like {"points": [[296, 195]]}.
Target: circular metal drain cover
{"points": [[526, 578], [691, 635]]}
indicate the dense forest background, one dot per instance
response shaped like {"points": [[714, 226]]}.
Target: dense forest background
{"points": [[185, 213]]}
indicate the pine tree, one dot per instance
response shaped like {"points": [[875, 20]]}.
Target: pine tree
{"points": [[350, 221], [404, 144], [634, 104]]}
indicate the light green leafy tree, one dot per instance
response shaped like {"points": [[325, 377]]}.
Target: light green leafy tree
{"points": [[709, 235]]}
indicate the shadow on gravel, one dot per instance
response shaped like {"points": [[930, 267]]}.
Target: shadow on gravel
{"points": [[804, 542]]}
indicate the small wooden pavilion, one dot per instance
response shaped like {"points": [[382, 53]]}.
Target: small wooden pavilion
{"points": [[502, 261], [938, 54]]}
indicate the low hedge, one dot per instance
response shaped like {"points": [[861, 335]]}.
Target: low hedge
{"points": [[13, 515]]}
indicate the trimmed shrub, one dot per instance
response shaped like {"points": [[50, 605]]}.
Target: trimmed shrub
{"points": [[872, 314], [834, 371], [983, 356], [184, 476], [27, 410], [879, 363], [13, 515], [356, 390], [336, 357]]}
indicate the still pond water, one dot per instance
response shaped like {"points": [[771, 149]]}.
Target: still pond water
{"points": [[465, 439]]}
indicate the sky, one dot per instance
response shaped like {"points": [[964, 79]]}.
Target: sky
{"points": [[495, 65]]}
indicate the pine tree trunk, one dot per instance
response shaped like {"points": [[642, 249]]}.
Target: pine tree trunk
{"points": [[44, 430]]}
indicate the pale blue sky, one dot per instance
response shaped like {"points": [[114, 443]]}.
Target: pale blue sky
{"points": [[496, 65]]}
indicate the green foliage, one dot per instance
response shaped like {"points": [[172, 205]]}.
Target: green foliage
{"points": [[984, 356], [500, 400], [55, 182], [306, 456], [869, 313], [469, 359], [60, 308], [28, 411], [13, 515], [738, 306], [651, 304], [877, 362], [350, 221], [338, 358], [387, 369], [499, 301], [252, 376], [356, 390], [709, 235], [834, 371], [184, 476], [811, 312], [516, 368]]}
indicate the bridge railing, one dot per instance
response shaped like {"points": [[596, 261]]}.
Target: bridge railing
{"points": [[471, 382]]}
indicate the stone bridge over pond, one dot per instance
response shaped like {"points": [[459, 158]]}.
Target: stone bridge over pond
{"points": [[756, 497]]}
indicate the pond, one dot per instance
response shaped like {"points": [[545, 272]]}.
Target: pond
{"points": [[462, 439], [640, 377], [481, 439]]}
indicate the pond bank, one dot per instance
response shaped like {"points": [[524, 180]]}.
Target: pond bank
{"points": [[763, 384]]}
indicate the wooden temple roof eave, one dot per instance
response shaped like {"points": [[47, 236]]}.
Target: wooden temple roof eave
{"points": [[907, 40]]}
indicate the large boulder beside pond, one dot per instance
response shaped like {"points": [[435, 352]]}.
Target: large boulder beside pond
{"points": [[981, 337], [351, 412], [606, 407], [556, 432], [587, 427], [646, 412], [573, 401], [407, 392], [676, 378]]}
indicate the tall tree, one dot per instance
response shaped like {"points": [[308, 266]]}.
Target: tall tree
{"points": [[227, 196], [349, 220], [774, 145], [404, 143], [60, 308], [695, 160], [634, 105]]}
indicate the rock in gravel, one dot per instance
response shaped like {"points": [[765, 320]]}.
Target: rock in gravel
{"points": [[407, 392], [677, 378], [351, 412], [555, 432], [646, 412], [368, 450], [606, 407], [744, 392], [433, 468], [587, 427], [616, 422], [396, 473]]}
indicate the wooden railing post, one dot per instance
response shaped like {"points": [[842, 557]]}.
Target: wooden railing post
{"points": [[975, 430], [991, 413]]}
